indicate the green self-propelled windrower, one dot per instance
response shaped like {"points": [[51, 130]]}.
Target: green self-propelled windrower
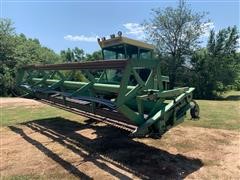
{"points": [[125, 88]]}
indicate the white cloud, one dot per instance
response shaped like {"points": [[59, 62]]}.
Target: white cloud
{"points": [[135, 29], [81, 38], [207, 27]]}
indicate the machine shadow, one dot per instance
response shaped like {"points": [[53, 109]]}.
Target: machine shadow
{"points": [[110, 146]]}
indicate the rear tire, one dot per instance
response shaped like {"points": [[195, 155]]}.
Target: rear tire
{"points": [[195, 110]]}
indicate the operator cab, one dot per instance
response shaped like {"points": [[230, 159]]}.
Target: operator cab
{"points": [[118, 47]]}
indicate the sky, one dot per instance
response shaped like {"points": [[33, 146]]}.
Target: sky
{"points": [[62, 24]]}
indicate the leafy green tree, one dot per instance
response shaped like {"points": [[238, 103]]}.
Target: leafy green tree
{"points": [[16, 51], [67, 55], [7, 32], [78, 54], [217, 67], [96, 55], [30, 51], [72, 55], [175, 33]]}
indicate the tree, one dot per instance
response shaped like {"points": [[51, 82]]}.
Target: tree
{"points": [[16, 51], [67, 55], [6, 53], [175, 33], [96, 55], [217, 67], [78, 54], [7, 31], [71, 55]]}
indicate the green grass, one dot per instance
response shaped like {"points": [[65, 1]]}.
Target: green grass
{"points": [[231, 95], [217, 114], [53, 175], [22, 177], [20, 114], [220, 114]]}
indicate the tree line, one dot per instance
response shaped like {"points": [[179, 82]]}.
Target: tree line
{"points": [[16, 50], [176, 34]]}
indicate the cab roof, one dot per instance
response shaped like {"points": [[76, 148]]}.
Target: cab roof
{"points": [[113, 42]]}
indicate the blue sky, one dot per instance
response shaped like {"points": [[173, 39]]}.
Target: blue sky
{"points": [[62, 24]]}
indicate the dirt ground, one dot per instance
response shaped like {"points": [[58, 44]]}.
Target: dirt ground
{"points": [[19, 102], [58, 148]]}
